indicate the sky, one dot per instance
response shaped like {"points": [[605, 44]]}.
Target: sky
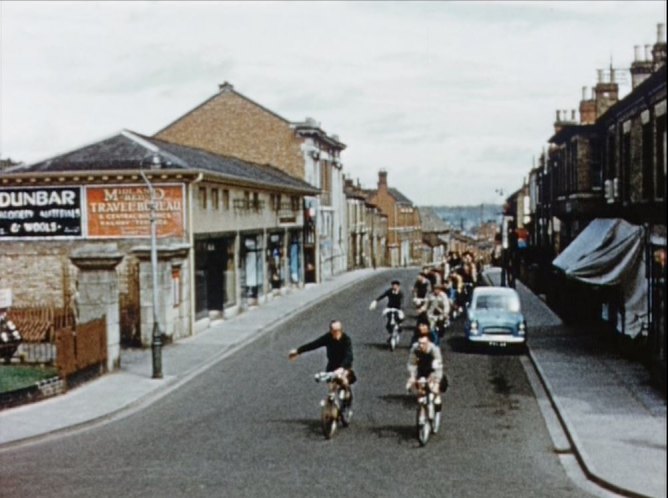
{"points": [[455, 100]]}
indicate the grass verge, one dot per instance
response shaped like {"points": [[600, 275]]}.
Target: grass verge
{"points": [[14, 377]]}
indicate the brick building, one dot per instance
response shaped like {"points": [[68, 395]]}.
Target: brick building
{"points": [[404, 240], [229, 231], [367, 229], [610, 165], [231, 124]]}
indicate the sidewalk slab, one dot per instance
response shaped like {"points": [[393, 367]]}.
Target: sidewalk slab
{"points": [[615, 420]]}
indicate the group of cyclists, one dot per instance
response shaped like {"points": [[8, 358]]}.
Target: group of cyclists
{"points": [[440, 294]]}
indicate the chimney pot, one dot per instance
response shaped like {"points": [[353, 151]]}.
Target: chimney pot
{"points": [[660, 33], [584, 93], [558, 116], [572, 114], [638, 54], [225, 86], [599, 75], [648, 52]]}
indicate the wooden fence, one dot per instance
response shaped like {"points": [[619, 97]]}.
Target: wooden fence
{"points": [[52, 336], [81, 349], [38, 325]]}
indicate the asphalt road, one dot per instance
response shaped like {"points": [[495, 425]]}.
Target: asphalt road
{"points": [[249, 427]]}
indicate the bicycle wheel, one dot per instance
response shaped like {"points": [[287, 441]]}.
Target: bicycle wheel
{"points": [[346, 415], [436, 425], [423, 426], [328, 418]]}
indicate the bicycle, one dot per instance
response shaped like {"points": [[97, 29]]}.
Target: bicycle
{"points": [[428, 419], [336, 407], [393, 327]]}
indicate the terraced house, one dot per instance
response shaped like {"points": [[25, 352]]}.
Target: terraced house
{"points": [[404, 232], [598, 201]]}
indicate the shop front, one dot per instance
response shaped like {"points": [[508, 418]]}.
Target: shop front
{"points": [[251, 269], [215, 282]]}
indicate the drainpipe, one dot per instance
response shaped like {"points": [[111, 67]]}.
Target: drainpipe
{"points": [[191, 256]]}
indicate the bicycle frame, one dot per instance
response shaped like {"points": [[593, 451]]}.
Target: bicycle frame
{"points": [[333, 405]]}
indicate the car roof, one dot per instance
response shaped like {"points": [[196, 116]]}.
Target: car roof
{"points": [[502, 291]]}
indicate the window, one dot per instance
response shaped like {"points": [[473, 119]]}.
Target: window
{"points": [[611, 156], [202, 198], [176, 286], [647, 166], [275, 201], [625, 170], [215, 199], [226, 200], [660, 163], [294, 202], [595, 165]]}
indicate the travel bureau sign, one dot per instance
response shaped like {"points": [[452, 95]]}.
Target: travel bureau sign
{"points": [[125, 211], [107, 212]]}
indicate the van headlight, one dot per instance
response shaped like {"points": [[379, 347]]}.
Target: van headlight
{"points": [[474, 327]]}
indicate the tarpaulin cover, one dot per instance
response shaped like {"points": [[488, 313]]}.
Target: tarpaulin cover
{"points": [[610, 252]]}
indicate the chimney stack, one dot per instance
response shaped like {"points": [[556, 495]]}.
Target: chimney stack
{"points": [[382, 180], [587, 107], [607, 93], [641, 68]]}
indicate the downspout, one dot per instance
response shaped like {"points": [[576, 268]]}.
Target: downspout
{"points": [[191, 257]]}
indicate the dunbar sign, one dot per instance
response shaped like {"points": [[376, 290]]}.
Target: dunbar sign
{"points": [[40, 212], [125, 211]]}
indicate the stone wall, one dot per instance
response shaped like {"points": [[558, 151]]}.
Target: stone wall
{"points": [[37, 272]]}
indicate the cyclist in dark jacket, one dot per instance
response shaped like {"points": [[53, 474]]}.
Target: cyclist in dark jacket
{"points": [[339, 354], [338, 344], [395, 300]]}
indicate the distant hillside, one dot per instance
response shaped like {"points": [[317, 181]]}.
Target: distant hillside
{"points": [[467, 217]]}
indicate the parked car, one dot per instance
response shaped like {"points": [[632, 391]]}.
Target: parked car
{"points": [[494, 317]]}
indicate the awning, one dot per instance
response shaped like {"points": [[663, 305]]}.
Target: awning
{"points": [[602, 252], [610, 252]]}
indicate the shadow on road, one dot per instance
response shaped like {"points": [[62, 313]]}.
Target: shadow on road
{"points": [[312, 426], [405, 400], [459, 344], [403, 433]]}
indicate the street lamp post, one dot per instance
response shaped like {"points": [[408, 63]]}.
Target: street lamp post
{"points": [[156, 343]]}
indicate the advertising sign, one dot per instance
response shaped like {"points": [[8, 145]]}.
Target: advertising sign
{"points": [[40, 212], [125, 211]]}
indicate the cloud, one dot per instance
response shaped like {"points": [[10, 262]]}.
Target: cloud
{"points": [[454, 99]]}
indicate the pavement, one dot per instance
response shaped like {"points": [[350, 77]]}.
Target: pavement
{"points": [[614, 421]]}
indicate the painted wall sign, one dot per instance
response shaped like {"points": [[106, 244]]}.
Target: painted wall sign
{"points": [[125, 211], [40, 212]]}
